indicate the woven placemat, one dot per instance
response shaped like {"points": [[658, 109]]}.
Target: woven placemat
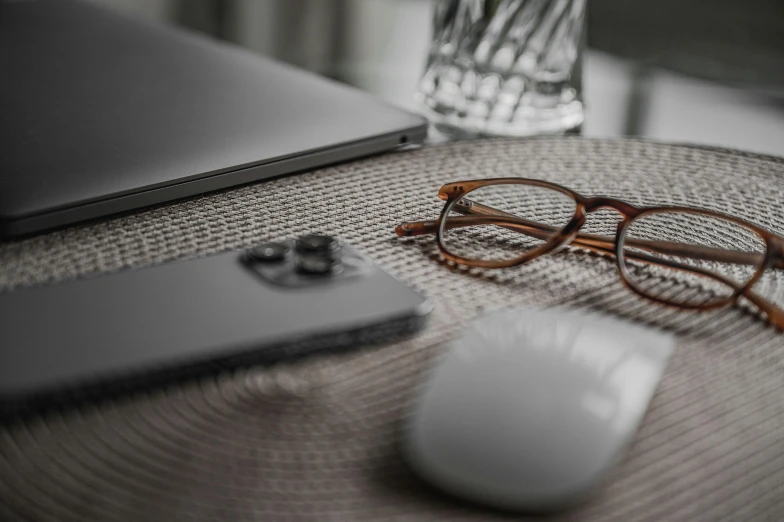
{"points": [[317, 440]]}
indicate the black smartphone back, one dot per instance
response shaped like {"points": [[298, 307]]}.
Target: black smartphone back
{"points": [[171, 321]]}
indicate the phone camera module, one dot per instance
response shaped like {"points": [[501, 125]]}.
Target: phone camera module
{"points": [[317, 244], [269, 252], [306, 261], [318, 265]]}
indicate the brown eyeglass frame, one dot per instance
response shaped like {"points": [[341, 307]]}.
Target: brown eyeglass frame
{"points": [[554, 239]]}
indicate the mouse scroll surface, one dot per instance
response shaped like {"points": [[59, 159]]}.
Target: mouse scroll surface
{"points": [[530, 408]]}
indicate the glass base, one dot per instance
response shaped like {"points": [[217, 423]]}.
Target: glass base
{"points": [[442, 133], [463, 102], [563, 119]]}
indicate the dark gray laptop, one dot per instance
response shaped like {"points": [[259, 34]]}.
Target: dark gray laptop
{"points": [[100, 114]]}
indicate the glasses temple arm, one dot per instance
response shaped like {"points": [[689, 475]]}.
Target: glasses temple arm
{"points": [[592, 241], [595, 243], [774, 313], [672, 248], [483, 215]]}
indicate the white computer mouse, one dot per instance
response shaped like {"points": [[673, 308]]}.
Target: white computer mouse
{"points": [[529, 409]]}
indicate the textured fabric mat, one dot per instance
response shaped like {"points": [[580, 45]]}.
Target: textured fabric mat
{"points": [[317, 440]]}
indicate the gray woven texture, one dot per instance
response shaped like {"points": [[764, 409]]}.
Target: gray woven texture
{"points": [[317, 440]]}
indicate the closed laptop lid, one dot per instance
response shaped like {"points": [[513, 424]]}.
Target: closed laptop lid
{"points": [[94, 105]]}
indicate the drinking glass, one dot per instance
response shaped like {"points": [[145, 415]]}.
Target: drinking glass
{"points": [[505, 67]]}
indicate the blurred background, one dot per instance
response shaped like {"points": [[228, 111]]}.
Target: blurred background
{"points": [[704, 71]]}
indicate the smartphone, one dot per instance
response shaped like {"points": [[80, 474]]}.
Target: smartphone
{"points": [[111, 334]]}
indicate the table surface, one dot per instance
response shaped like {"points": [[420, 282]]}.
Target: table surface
{"points": [[318, 440]]}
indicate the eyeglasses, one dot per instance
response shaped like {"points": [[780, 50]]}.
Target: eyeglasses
{"points": [[679, 256]]}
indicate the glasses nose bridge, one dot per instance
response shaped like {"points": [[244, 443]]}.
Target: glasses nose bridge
{"points": [[624, 209]]}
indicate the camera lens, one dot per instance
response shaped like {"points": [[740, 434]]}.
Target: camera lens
{"points": [[316, 244], [269, 252], [317, 265]]}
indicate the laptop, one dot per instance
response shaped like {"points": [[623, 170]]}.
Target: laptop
{"points": [[101, 113]]}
